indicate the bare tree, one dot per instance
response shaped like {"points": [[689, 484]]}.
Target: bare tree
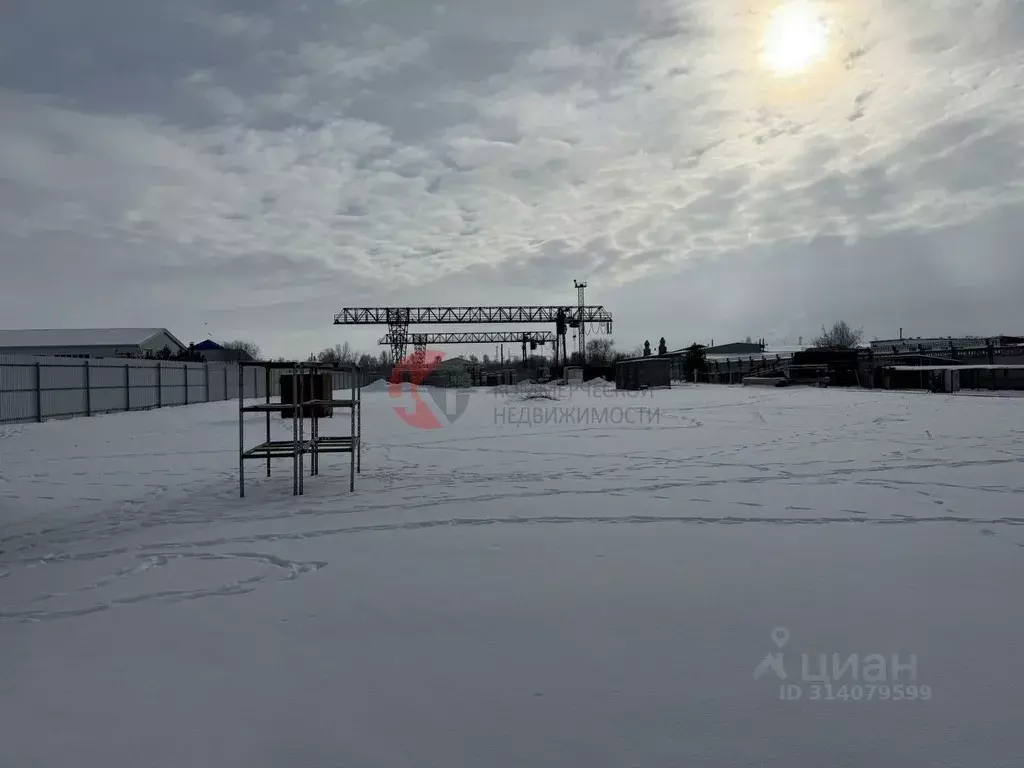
{"points": [[251, 348], [839, 336], [600, 351], [339, 354]]}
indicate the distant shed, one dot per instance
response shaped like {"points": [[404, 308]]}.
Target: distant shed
{"points": [[644, 373], [968, 376]]}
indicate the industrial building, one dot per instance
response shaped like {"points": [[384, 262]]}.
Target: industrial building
{"points": [[938, 344], [644, 373], [213, 352], [89, 342]]}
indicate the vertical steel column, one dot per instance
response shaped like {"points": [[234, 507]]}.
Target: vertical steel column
{"points": [[185, 367], [159, 387], [295, 432], [314, 431], [268, 417], [352, 437], [359, 421], [206, 380], [302, 446], [127, 388], [314, 441], [241, 431]]}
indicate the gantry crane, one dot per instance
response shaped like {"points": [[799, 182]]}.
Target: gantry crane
{"points": [[398, 319]]}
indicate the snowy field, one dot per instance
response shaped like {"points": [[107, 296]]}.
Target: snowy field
{"points": [[501, 595]]}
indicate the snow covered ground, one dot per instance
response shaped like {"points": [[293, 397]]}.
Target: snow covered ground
{"points": [[502, 594]]}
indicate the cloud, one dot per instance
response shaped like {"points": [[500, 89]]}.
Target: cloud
{"points": [[398, 150]]}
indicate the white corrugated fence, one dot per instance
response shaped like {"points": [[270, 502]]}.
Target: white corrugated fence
{"points": [[41, 388]]}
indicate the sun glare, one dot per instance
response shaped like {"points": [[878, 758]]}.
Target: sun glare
{"points": [[794, 39]]}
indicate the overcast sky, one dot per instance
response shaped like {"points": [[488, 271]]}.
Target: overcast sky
{"points": [[246, 168]]}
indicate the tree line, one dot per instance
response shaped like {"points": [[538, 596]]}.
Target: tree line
{"points": [[600, 351]]}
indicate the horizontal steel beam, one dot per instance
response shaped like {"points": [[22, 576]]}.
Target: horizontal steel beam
{"points": [[478, 337], [456, 315]]}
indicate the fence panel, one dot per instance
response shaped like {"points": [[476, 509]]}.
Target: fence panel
{"points": [[62, 389], [17, 390], [144, 386], [172, 384], [197, 390], [218, 390], [107, 391]]}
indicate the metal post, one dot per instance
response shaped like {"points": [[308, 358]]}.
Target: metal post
{"points": [[127, 388], [295, 433], [159, 387], [352, 438], [302, 447], [185, 366], [206, 380], [226, 396], [314, 468], [268, 422], [241, 431], [359, 424], [312, 441], [88, 389], [39, 393]]}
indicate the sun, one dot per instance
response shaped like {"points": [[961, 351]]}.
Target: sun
{"points": [[795, 38]]}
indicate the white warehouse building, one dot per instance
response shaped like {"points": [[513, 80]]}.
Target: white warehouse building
{"points": [[89, 342]]}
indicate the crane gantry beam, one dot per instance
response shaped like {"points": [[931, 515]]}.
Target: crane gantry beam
{"points": [[398, 319], [469, 315], [474, 337]]}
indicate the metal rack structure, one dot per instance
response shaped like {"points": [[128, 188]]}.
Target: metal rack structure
{"points": [[301, 408]]}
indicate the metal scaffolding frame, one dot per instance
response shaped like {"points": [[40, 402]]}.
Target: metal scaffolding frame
{"points": [[300, 446]]}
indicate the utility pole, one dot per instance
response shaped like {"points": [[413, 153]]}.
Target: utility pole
{"points": [[580, 287]]}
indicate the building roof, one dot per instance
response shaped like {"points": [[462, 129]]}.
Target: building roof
{"points": [[39, 338], [734, 348], [954, 367], [648, 359], [944, 341], [207, 346], [454, 361]]}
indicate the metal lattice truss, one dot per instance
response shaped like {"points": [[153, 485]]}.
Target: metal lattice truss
{"points": [[421, 341], [469, 315], [398, 320], [475, 337]]}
